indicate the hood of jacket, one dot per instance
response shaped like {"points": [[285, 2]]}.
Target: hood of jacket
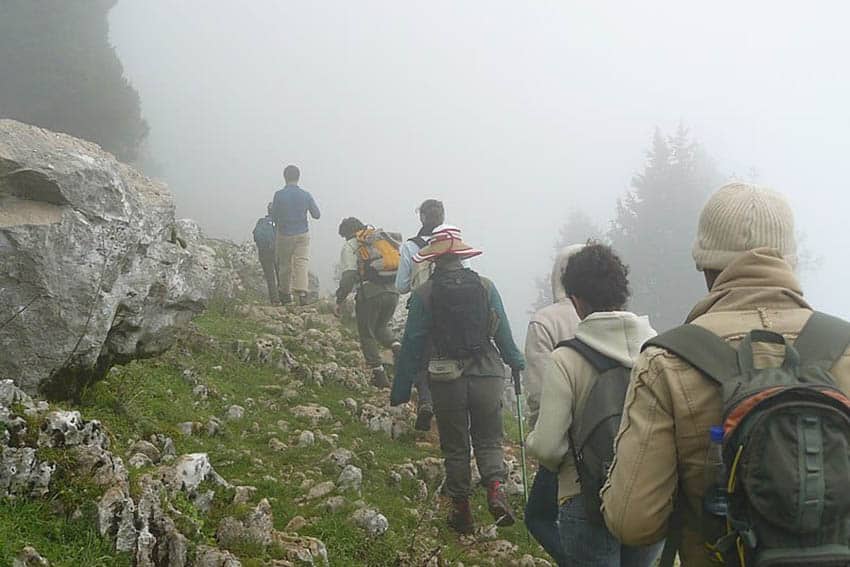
{"points": [[616, 334], [759, 277], [561, 261]]}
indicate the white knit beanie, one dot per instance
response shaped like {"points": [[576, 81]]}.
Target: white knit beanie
{"points": [[741, 217]]}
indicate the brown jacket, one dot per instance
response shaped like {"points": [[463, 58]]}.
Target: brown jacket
{"points": [[670, 406]]}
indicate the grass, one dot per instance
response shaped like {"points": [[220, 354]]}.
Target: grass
{"points": [[55, 536], [152, 396]]}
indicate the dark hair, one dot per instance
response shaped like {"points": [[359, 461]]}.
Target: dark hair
{"points": [[433, 212], [597, 276], [291, 174], [349, 226]]}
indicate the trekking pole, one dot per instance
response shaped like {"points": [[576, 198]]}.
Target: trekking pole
{"points": [[518, 392]]}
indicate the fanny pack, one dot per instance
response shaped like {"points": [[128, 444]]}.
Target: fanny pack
{"points": [[445, 369]]}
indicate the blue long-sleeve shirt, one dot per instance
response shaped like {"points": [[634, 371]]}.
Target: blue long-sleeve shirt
{"points": [[289, 210], [415, 346], [405, 266]]}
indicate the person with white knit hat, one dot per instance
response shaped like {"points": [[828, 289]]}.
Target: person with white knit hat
{"points": [[746, 249]]}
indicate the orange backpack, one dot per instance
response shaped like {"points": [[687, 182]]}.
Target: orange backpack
{"points": [[378, 255]]}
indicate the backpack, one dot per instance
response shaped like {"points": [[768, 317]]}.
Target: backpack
{"points": [[786, 445], [460, 314], [377, 255], [421, 272], [264, 233], [592, 434]]}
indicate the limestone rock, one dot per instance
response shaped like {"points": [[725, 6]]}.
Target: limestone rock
{"points": [[29, 557], [296, 524], [128, 281], [22, 474], [67, 429], [340, 457], [235, 412], [302, 550], [146, 448], [431, 469], [189, 471], [334, 504], [320, 490], [350, 479], [139, 460], [371, 521], [213, 426], [244, 494], [211, 557], [306, 439], [314, 412]]}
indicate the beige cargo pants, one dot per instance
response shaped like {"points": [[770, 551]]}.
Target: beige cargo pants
{"points": [[293, 260]]}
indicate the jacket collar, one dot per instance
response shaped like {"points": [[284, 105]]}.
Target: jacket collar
{"points": [[760, 278]]}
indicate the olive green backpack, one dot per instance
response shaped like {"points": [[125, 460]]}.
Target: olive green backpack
{"points": [[786, 445]]}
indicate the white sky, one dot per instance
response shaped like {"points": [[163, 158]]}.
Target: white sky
{"points": [[511, 112]]}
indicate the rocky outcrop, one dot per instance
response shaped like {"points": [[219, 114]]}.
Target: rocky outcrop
{"points": [[93, 269], [235, 268]]}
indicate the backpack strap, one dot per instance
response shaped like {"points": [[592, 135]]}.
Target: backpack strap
{"points": [[419, 241], [598, 360], [701, 348], [823, 340]]}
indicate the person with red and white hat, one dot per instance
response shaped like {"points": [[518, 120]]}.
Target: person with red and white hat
{"points": [[458, 330]]}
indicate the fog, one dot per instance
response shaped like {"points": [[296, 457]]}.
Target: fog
{"points": [[512, 113]]}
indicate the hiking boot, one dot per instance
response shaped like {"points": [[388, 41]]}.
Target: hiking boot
{"points": [[285, 299], [497, 502], [379, 378], [460, 518], [423, 417]]}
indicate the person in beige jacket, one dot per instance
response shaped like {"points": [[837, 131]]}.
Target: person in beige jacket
{"points": [[596, 281], [548, 327], [746, 249]]}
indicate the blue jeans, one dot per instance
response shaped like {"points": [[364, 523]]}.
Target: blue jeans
{"points": [[541, 514], [589, 545]]}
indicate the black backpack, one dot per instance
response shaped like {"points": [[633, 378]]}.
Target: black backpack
{"points": [[460, 312], [592, 433], [786, 445]]}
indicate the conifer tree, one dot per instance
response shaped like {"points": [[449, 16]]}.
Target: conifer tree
{"points": [[656, 223], [59, 71]]}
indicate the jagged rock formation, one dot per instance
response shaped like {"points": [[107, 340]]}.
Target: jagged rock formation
{"points": [[93, 270]]}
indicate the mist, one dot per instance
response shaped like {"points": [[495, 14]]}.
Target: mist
{"points": [[512, 114]]}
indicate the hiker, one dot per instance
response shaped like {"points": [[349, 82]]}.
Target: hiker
{"points": [[583, 388], [684, 441], [412, 275], [454, 320], [289, 210], [368, 262], [264, 238], [548, 327]]}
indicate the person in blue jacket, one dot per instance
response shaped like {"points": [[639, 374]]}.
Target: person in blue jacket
{"points": [[264, 238]]}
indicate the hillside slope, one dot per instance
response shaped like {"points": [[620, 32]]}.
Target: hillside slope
{"points": [[306, 462]]}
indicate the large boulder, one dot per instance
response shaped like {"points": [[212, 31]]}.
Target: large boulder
{"points": [[93, 269]]}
